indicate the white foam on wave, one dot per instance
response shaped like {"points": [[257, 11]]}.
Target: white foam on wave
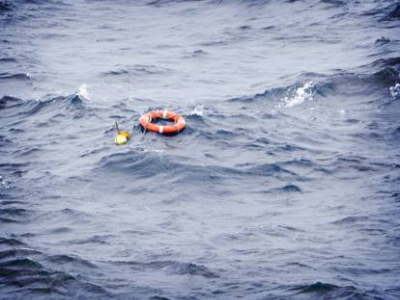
{"points": [[302, 93], [82, 92], [147, 149], [395, 91], [197, 111], [3, 182]]}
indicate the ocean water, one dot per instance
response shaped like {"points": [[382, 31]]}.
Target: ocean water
{"points": [[284, 185]]}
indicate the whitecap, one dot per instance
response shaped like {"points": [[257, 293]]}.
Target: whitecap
{"points": [[302, 93], [395, 91], [82, 92], [197, 111]]}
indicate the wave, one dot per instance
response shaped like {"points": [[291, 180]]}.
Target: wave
{"points": [[14, 215], [389, 12], [159, 298], [28, 271], [395, 13], [96, 239], [5, 6], [395, 91], [67, 214], [289, 188], [351, 220], [321, 290], [312, 87], [41, 2], [138, 70], [72, 260], [387, 62], [159, 3], [9, 102], [303, 93], [11, 242], [83, 93], [197, 111], [18, 252], [149, 165], [17, 76], [31, 278], [170, 267], [73, 105], [318, 287], [8, 60]]}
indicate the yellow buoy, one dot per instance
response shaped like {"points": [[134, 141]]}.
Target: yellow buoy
{"points": [[120, 139], [125, 134], [122, 136]]}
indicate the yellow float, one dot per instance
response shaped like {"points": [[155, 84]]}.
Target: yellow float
{"points": [[122, 136]]}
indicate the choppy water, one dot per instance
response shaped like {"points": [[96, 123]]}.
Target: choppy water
{"points": [[284, 185]]}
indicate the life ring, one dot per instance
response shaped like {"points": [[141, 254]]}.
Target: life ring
{"points": [[179, 121]]}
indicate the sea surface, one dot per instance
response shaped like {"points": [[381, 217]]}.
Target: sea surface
{"points": [[284, 185]]}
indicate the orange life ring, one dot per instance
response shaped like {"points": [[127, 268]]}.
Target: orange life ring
{"points": [[179, 121]]}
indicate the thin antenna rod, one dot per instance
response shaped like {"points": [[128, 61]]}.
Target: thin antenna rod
{"points": [[116, 126]]}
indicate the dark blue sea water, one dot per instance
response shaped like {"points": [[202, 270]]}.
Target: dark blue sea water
{"points": [[284, 185]]}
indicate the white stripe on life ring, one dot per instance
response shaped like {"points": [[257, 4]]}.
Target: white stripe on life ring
{"points": [[161, 129], [164, 114]]}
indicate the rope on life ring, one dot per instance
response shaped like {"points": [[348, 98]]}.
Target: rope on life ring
{"points": [[146, 119]]}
